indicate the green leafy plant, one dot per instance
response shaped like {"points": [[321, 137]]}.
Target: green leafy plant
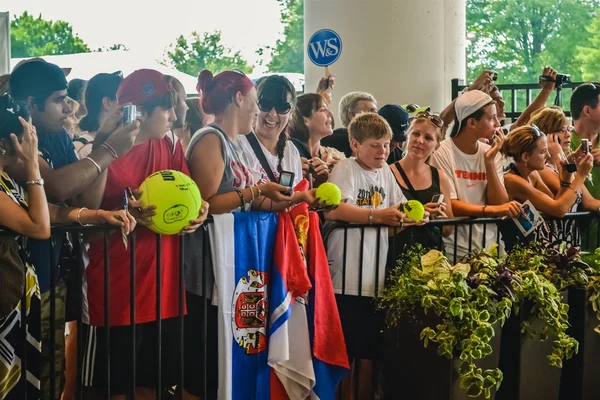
{"points": [[466, 304], [544, 272]]}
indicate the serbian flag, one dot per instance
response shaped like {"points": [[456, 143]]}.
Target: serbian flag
{"points": [[289, 341], [259, 274], [242, 250], [329, 356]]}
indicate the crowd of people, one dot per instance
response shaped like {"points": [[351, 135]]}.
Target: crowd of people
{"points": [[67, 157]]}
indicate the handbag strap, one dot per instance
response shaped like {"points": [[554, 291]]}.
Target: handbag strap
{"points": [[261, 156], [406, 180]]}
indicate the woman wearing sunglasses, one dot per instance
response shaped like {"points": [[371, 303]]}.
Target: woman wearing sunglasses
{"points": [[528, 148], [267, 147], [423, 182]]}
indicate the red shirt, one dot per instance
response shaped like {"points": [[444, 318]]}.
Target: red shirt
{"points": [[130, 171]]}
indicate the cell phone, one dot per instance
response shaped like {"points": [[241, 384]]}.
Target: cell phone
{"points": [[585, 146], [130, 114], [494, 76], [571, 168], [286, 179], [438, 198]]}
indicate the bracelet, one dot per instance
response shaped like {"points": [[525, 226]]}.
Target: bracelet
{"points": [[258, 191], [95, 164], [565, 184], [79, 215], [242, 202], [569, 187], [110, 149], [252, 192]]}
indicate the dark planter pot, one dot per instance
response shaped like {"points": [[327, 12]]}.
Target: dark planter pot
{"points": [[412, 372], [580, 377], [524, 362]]}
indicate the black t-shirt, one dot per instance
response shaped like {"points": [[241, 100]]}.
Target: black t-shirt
{"points": [[338, 140]]}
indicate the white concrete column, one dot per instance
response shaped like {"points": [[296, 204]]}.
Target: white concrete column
{"points": [[4, 43], [401, 51]]}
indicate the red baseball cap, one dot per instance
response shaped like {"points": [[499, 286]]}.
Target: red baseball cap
{"points": [[142, 86]]}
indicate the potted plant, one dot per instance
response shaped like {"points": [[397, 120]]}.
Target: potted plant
{"points": [[459, 308], [538, 331]]}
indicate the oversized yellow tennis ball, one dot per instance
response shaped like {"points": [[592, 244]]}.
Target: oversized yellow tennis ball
{"points": [[177, 200], [414, 210], [329, 194]]}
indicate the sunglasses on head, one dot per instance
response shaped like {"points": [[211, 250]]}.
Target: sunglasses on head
{"points": [[435, 119], [266, 105], [536, 131]]}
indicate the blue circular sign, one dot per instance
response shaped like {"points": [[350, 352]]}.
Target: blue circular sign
{"points": [[324, 47]]}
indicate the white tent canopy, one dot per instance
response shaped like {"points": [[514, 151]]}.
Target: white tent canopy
{"points": [[86, 65]]}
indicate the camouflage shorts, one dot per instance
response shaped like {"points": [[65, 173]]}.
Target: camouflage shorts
{"points": [[58, 345]]}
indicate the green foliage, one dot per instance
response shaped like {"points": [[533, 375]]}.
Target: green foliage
{"points": [[517, 38], [467, 312], [288, 52], [471, 299], [589, 52], [197, 52], [32, 37]]}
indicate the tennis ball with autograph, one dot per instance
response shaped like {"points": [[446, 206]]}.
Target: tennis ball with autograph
{"points": [[329, 194], [414, 210]]}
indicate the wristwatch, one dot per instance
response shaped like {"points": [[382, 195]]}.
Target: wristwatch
{"points": [[35, 182]]}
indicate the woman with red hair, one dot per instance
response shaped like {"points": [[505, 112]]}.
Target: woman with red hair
{"points": [[216, 160], [221, 170]]}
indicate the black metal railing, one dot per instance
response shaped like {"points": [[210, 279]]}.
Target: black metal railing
{"points": [[79, 233], [520, 95]]}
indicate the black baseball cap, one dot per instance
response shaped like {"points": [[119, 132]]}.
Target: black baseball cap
{"points": [[36, 78], [397, 117]]}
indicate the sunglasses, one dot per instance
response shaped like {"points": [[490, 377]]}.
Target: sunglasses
{"points": [[435, 119], [266, 105], [536, 131]]}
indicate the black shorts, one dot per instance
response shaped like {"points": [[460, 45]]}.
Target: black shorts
{"points": [[363, 326], [196, 333], [121, 356]]}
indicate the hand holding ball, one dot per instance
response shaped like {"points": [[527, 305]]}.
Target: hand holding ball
{"points": [[329, 194], [177, 200], [413, 210]]}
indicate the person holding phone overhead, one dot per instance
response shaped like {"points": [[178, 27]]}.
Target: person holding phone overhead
{"points": [[422, 182]]}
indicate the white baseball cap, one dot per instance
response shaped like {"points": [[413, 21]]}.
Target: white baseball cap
{"points": [[468, 103]]}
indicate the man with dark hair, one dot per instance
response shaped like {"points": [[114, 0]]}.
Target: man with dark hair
{"points": [[585, 111], [43, 87], [475, 170]]}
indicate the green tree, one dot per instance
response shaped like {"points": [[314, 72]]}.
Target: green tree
{"points": [[195, 53], [32, 37], [589, 54], [288, 53], [116, 46], [517, 38]]}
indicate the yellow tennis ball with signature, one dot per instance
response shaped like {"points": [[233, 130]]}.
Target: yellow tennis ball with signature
{"points": [[414, 210], [329, 194], [177, 200]]}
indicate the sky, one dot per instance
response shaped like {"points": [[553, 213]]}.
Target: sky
{"points": [[246, 25]]}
